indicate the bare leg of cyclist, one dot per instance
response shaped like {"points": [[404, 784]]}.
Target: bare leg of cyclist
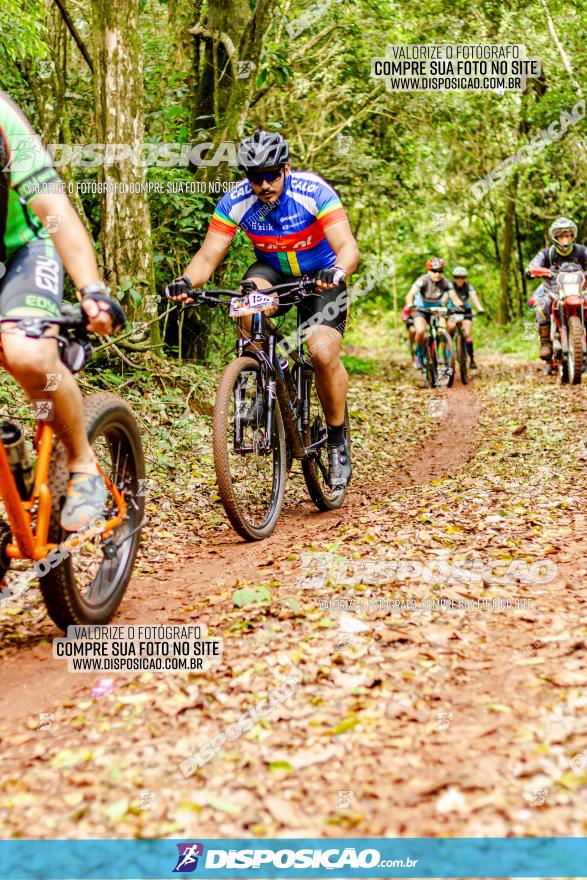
{"points": [[29, 361], [468, 331], [420, 327], [332, 382], [324, 346]]}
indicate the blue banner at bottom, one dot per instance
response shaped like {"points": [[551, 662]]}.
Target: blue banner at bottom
{"points": [[276, 858]]}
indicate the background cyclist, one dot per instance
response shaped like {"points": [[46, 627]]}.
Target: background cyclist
{"points": [[428, 291], [468, 298]]}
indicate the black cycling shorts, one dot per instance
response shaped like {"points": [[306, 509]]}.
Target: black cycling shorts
{"points": [[33, 281], [332, 311]]}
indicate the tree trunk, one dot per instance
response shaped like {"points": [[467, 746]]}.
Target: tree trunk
{"points": [[125, 231], [229, 42], [506, 308], [524, 293]]}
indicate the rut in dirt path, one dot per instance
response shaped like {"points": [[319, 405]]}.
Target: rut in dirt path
{"points": [[32, 679]]}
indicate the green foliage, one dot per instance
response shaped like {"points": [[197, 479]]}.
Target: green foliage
{"points": [[359, 365], [22, 31], [409, 160]]}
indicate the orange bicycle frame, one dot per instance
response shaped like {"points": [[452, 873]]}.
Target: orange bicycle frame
{"points": [[29, 542]]}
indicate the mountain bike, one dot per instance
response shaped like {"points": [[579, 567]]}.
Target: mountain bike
{"points": [[437, 362], [267, 414], [82, 576]]}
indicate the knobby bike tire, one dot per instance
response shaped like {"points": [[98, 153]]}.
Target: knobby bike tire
{"points": [[575, 350], [313, 467], [235, 511], [430, 367], [111, 419], [444, 360]]}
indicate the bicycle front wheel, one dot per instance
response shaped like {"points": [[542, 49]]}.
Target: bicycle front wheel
{"points": [[88, 585], [430, 364], [444, 359], [250, 468]]}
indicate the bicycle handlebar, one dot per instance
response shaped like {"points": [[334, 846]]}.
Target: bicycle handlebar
{"points": [[72, 318], [215, 297]]}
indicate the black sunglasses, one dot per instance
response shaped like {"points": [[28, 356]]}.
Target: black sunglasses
{"points": [[440, 271], [269, 174]]}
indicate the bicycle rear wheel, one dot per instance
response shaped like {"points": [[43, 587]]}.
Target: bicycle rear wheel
{"points": [[87, 587], [251, 477], [315, 467]]}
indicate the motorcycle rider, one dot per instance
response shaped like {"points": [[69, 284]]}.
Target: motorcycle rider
{"points": [[469, 298], [564, 250]]}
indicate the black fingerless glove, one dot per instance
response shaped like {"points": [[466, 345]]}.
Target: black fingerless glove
{"points": [[115, 310], [335, 275], [179, 286]]}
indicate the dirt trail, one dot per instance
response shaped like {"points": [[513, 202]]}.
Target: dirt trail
{"points": [[32, 680], [455, 721]]}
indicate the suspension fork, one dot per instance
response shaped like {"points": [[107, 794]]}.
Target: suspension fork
{"points": [[269, 370]]}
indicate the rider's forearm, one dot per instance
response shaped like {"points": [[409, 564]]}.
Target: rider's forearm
{"points": [[411, 296], [348, 257], [199, 270], [71, 239], [476, 302]]}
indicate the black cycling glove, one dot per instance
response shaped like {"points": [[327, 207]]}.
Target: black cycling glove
{"points": [[336, 275], [115, 310], [179, 286]]}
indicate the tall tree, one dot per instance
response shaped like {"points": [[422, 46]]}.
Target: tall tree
{"points": [[125, 230], [229, 36]]}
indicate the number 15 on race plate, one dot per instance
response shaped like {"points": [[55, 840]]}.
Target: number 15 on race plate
{"points": [[248, 305]]}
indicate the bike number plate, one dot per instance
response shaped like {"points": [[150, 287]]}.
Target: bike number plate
{"points": [[248, 305]]}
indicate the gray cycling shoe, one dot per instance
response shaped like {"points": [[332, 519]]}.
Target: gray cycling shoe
{"points": [[85, 501], [339, 466]]}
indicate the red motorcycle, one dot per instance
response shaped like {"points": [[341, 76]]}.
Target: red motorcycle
{"points": [[567, 321]]}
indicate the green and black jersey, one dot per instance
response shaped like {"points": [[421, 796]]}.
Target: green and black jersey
{"points": [[25, 171]]}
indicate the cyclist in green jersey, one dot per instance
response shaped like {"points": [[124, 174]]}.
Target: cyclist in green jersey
{"points": [[40, 233]]}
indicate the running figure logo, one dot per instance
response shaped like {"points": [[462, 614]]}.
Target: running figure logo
{"points": [[187, 861]]}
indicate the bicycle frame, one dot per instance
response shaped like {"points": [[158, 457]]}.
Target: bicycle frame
{"points": [[32, 543], [295, 417], [433, 331]]}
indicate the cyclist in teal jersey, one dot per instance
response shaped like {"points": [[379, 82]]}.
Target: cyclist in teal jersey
{"points": [[40, 233]]}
